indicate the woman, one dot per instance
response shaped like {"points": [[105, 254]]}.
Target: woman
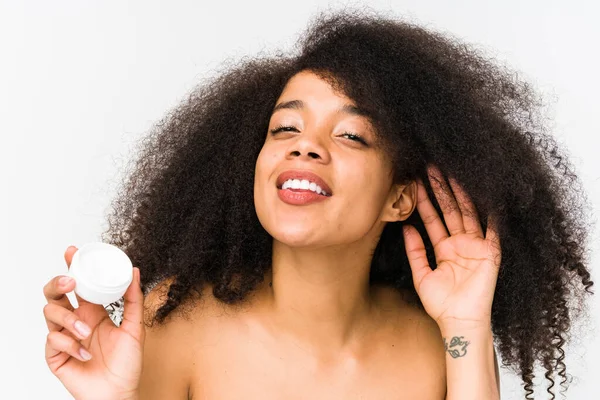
{"points": [[364, 219]]}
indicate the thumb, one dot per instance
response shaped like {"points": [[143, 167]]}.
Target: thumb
{"points": [[133, 308], [417, 255]]}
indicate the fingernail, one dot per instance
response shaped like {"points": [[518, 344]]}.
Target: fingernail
{"points": [[65, 280], [84, 354], [82, 328]]}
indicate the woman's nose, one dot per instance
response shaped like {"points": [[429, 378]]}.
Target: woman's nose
{"points": [[309, 147], [311, 154]]}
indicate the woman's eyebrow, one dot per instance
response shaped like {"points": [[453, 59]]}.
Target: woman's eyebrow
{"points": [[299, 105]]}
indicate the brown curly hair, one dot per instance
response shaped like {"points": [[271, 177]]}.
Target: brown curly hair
{"points": [[186, 209]]}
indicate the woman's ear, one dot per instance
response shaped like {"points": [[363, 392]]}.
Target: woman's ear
{"points": [[401, 202]]}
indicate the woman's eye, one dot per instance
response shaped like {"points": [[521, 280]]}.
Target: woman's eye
{"points": [[354, 137], [283, 128]]}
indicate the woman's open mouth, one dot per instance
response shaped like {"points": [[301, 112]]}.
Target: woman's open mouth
{"points": [[300, 196], [300, 187]]}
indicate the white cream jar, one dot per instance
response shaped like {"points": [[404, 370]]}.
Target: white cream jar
{"points": [[102, 272]]}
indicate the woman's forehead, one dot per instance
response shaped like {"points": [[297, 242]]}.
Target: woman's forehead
{"points": [[309, 83]]}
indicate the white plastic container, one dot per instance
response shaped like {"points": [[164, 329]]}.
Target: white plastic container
{"points": [[102, 272]]}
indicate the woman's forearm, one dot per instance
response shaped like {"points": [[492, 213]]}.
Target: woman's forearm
{"points": [[470, 363]]}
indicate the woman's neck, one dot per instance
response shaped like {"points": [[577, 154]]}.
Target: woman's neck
{"points": [[321, 297]]}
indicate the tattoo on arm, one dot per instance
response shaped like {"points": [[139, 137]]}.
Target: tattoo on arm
{"points": [[457, 347]]}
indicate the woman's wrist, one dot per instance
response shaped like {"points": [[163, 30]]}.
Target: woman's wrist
{"points": [[470, 364]]}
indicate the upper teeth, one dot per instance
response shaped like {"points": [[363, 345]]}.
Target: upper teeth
{"points": [[303, 184]]}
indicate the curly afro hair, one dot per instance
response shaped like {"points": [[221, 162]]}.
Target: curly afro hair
{"points": [[185, 211]]}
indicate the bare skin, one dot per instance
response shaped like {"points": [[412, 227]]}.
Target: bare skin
{"points": [[234, 352]]}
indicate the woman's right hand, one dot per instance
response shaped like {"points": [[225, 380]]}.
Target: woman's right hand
{"points": [[115, 367]]}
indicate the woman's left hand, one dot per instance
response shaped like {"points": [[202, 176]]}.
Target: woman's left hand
{"points": [[459, 292]]}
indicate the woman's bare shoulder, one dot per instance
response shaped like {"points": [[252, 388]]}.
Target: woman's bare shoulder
{"points": [[170, 357], [166, 362]]}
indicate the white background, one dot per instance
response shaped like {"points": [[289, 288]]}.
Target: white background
{"points": [[81, 81]]}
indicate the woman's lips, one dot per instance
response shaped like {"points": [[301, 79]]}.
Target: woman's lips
{"points": [[300, 175], [299, 197]]}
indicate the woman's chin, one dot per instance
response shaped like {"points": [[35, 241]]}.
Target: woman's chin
{"points": [[301, 237]]}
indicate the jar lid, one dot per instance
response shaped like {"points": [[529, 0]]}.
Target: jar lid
{"points": [[103, 267]]}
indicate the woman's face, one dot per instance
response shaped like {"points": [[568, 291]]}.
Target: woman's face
{"points": [[321, 145]]}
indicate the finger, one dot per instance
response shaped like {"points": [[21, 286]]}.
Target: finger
{"points": [[56, 288], [467, 208], [445, 198], [492, 235], [54, 292], [71, 250], [433, 224], [57, 342], [417, 255], [59, 306], [58, 317], [133, 308]]}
